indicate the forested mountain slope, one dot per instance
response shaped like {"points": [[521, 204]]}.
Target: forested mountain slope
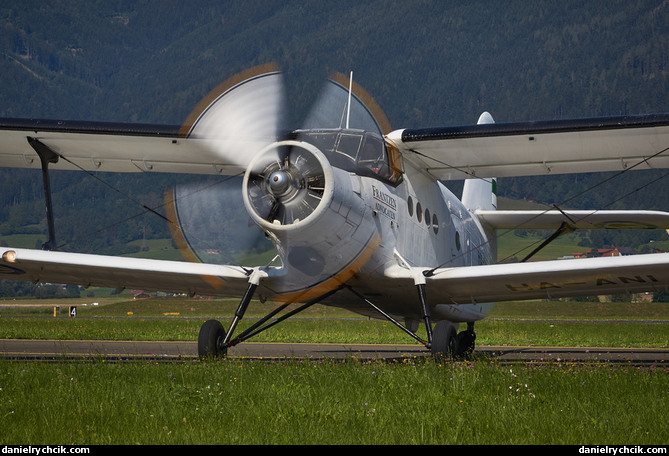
{"points": [[427, 63]]}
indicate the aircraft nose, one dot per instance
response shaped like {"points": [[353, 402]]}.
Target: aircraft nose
{"points": [[287, 184]]}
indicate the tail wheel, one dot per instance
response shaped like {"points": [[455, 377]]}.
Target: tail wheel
{"points": [[209, 340]]}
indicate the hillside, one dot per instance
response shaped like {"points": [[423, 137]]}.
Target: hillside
{"points": [[426, 62]]}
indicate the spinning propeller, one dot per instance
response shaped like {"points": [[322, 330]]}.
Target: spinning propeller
{"points": [[288, 182]]}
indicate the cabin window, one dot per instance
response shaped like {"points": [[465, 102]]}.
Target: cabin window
{"points": [[324, 141]]}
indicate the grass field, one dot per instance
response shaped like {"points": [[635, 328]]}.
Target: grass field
{"points": [[327, 402], [556, 323], [415, 401]]}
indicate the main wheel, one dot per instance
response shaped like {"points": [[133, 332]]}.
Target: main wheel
{"points": [[444, 338], [465, 342], [209, 340]]}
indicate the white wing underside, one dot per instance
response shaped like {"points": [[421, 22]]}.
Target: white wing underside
{"points": [[461, 285], [117, 153], [538, 148], [478, 151], [543, 279], [494, 150], [121, 272]]}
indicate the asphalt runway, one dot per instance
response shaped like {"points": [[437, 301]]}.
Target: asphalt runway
{"points": [[167, 350]]}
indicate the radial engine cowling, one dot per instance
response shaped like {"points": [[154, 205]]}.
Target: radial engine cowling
{"points": [[313, 213]]}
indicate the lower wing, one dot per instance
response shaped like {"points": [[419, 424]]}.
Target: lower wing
{"points": [[543, 279], [121, 272], [461, 285]]}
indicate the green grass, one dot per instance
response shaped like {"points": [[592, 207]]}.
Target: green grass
{"points": [[352, 401], [489, 332], [331, 402], [510, 245], [523, 323]]}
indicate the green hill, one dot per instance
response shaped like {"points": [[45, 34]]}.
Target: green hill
{"points": [[426, 62]]}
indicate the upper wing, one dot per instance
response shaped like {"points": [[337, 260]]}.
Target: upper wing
{"points": [[544, 279], [535, 148], [485, 150], [112, 147], [120, 272], [222, 134]]}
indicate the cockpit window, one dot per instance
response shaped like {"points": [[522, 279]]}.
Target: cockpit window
{"points": [[349, 144], [374, 156], [325, 141], [364, 153]]}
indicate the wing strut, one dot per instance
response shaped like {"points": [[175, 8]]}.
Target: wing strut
{"points": [[426, 312], [214, 341], [395, 322], [564, 228], [46, 156]]}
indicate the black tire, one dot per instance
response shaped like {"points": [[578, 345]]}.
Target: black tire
{"points": [[443, 339], [208, 341], [465, 342]]}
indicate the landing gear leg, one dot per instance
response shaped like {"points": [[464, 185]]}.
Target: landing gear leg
{"points": [[213, 340], [426, 313]]}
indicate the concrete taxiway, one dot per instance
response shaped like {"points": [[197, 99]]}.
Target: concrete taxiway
{"points": [[169, 350]]}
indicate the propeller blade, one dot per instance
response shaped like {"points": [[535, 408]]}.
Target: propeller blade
{"points": [[288, 183], [241, 116], [215, 225], [332, 108]]}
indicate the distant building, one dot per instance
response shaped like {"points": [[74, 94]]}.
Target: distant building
{"points": [[596, 253]]}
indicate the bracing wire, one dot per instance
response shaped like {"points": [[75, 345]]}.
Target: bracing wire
{"points": [[554, 206], [147, 209], [154, 210]]}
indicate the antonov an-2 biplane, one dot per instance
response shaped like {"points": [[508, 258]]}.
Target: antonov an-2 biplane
{"points": [[356, 213]]}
